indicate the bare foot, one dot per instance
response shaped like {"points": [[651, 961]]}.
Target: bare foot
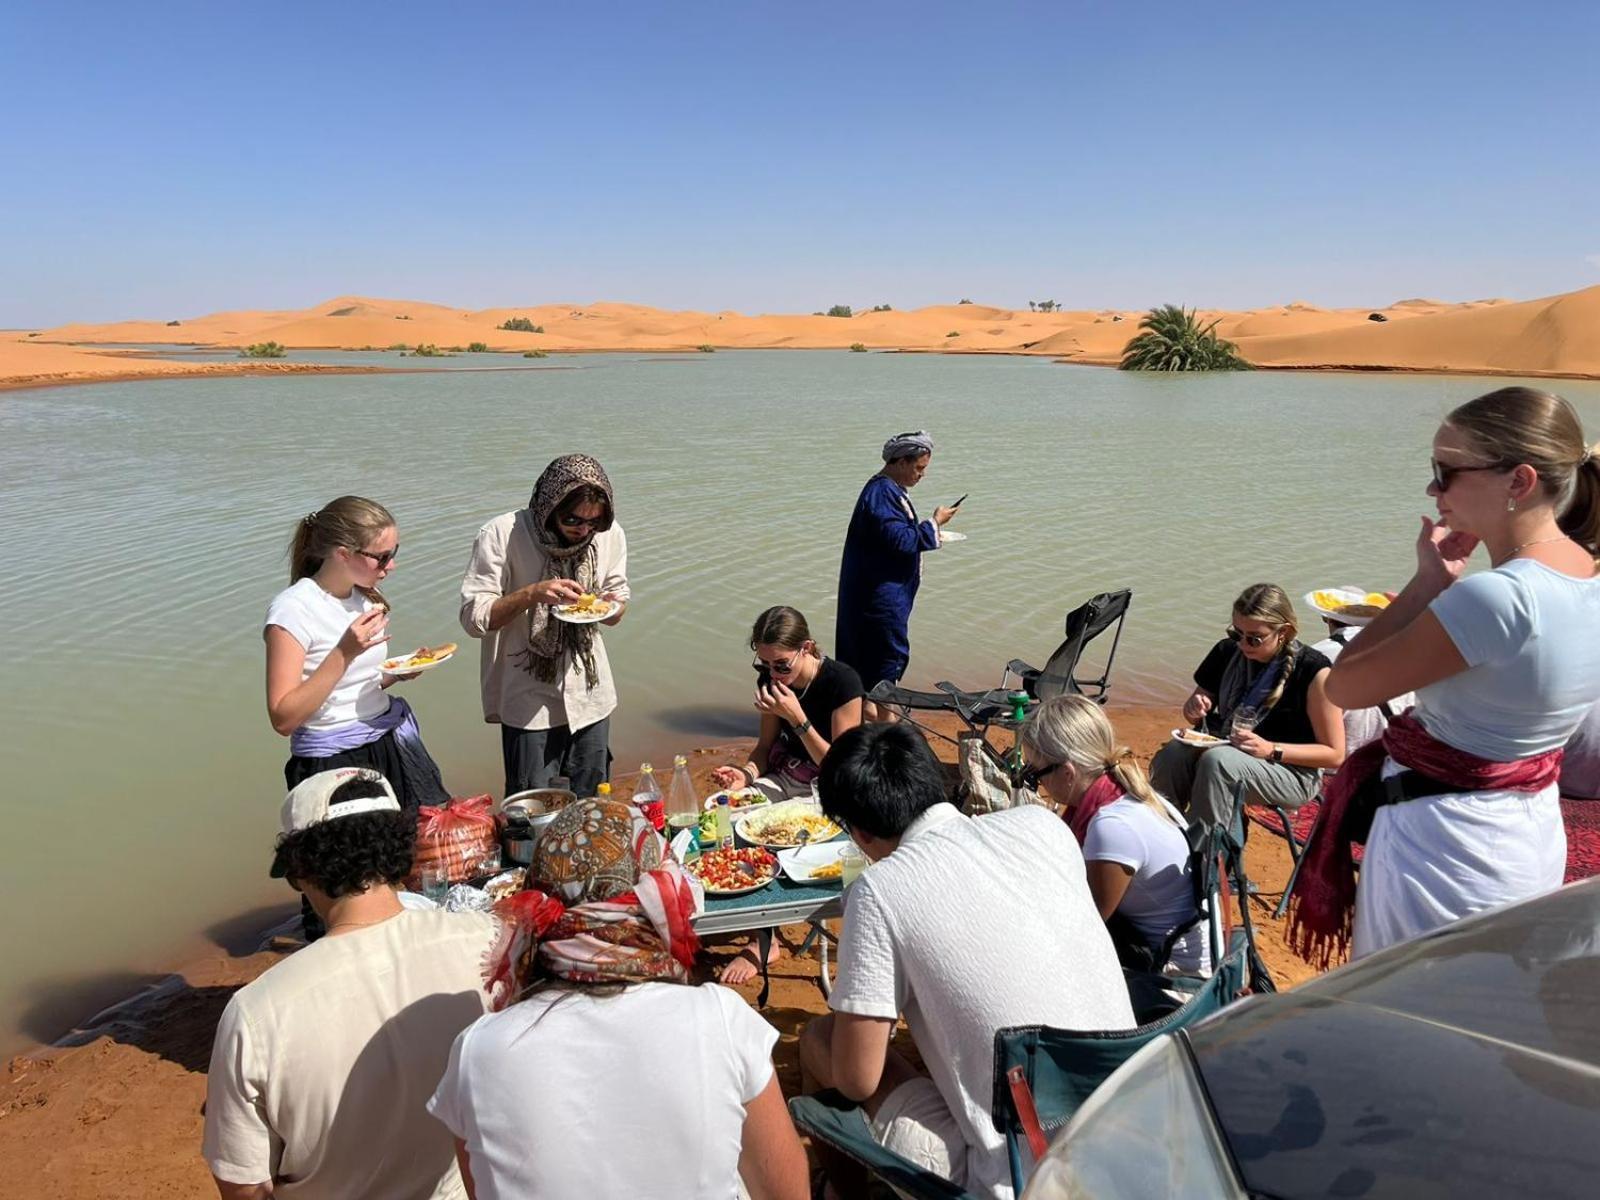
{"points": [[747, 964]]}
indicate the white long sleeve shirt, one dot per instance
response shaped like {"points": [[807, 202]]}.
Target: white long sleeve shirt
{"points": [[505, 557]]}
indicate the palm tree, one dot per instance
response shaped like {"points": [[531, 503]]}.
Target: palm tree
{"points": [[1174, 341]]}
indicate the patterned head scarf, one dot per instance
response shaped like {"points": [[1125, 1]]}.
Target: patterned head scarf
{"points": [[603, 905], [551, 641], [908, 445]]}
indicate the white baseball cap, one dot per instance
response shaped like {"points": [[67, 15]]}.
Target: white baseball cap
{"points": [[309, 804]]}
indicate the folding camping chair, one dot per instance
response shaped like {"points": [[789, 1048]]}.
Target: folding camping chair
{"points": [[1059, 677]]}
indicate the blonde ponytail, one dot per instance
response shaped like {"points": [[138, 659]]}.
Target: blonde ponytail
{"points": [[1076, 730], [350, 521]]}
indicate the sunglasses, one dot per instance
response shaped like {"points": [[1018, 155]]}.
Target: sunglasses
{"points": [[777, 668], [1444, 475], [1253, 640], [1031, 777], [568, 521], [380, 560]]}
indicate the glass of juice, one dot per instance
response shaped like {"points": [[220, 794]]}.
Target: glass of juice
{"points": [[853, 861]]}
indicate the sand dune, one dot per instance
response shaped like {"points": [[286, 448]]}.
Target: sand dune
{"points": [[1556, 336]]}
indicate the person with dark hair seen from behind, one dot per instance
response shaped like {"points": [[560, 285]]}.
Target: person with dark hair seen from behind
{"points": [[963, 925], [327, 638], [322, 1067], [1261, 690], [1458, 805], [603, 1070], [881, 568], [547, 681]]}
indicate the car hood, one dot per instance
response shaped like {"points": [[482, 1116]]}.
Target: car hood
{"points": [[1460, 1063]]}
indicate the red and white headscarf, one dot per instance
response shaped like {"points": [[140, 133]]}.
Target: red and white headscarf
{"points": [[604, 904]]}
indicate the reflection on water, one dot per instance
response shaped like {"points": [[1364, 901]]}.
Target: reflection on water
{"points": [[143, 527]]}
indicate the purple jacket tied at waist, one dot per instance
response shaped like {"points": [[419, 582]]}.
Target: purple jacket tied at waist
{"points": [[422, 773]]}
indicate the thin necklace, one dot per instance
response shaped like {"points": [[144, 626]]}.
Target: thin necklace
{"points": [[1516, 550]]}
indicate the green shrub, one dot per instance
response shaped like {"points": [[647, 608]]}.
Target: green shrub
{"points": [[706, 348], [857, 348], [170, 324], [881, 308], [522, 325], [427, 350], [402, 317], [263, 350], [536, 354], [953, 333], [840, 310], [398, 346], [1174, 341], [477, 347], [963, 301]]}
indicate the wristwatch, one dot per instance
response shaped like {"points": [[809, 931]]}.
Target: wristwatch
{"points": [[803, 727], [1277, 754]]}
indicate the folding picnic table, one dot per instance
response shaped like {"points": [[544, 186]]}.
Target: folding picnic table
{"points": [[781, 902]]}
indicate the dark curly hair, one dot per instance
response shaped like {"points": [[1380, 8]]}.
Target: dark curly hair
{"points": [[348, 854]]}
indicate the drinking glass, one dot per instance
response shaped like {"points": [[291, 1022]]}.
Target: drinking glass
{"points": [[854, 863], [435, 882], [1244, 719]]}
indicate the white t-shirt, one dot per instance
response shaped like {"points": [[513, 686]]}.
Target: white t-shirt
{"points": [[970, 925], [1580, 768], [1160, 896], [637, 1094], [1361, 725], [1531, 639], [317, 620], [506, 557], [322, 1068]]}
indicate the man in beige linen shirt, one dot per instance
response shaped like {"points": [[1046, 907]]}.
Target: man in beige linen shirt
{"points": [[547, 682], [321, 1068]]}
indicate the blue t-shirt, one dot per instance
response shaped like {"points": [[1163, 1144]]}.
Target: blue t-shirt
{"points": [[1531, 638]]}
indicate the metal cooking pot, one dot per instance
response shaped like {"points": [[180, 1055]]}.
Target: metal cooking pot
{"points": [[527, 814]]}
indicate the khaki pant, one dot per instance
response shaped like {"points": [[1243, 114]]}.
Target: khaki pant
{"points": [[1202, 782]]}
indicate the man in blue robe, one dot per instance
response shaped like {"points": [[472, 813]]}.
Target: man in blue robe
{"points": [[882, 567]]}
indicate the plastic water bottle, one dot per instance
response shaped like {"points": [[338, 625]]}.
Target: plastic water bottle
{"points": [[683, 806], [724, 820]]}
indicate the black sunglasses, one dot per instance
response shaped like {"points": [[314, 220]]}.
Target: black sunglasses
{"points": [[1030, 777], [1253, 640], [777, 668], [1444, 475], [380, 560]]}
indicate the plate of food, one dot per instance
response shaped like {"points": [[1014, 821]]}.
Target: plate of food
{"points": [[1196, 737], [814, 864], [423, 658], [951, 535], [734, 872], [739, 799], [780, 826], [1349, 605], [588, 609]]}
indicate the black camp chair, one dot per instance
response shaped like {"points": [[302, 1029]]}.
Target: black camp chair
{"points": [[1060, 677]]}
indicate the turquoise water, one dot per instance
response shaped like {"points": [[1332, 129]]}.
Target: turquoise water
{"points": [[144, 528]]}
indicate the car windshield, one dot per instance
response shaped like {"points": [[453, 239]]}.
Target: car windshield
{"points": [[1147, 1131]]}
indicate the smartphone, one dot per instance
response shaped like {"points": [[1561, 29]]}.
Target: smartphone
{"points": [[960, 502]]}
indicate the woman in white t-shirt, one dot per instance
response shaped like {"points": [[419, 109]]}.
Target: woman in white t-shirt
{"points": [[1461, 794], [327, 637], [602, 1070], [1135, 850]]}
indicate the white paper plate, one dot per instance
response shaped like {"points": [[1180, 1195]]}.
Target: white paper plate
{"points": [[613, 607], [951, 535], [770, 812], [798, 864], [738, 891], [753, 798], [402, 665], [1187, 736], [1348, 595]]}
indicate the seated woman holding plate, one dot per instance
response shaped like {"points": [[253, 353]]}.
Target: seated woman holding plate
{"points": [[806, 701], [602, 1070], [1262, 690], [1135, 851]]}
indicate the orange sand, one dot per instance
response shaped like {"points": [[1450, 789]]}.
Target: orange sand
{"points": [[1555, 336]]}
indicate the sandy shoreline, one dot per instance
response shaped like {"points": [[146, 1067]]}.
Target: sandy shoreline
{"points": [[115, 1110], [1556, 337]]}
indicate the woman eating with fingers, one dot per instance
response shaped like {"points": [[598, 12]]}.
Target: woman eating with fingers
{"points": [[806, 700], [1264, 692], [1458, 804], [327, 638]]}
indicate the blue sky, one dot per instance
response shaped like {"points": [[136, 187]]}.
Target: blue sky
{"points": [[168, 160]]}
